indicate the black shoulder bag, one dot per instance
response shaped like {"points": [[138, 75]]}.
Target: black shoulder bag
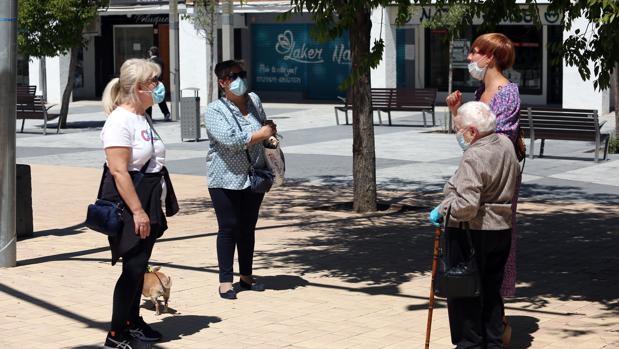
{"points": [[106, 216], [260, 179], [461, 280]]}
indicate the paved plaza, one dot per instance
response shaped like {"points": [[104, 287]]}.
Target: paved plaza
{"points": [[335, 279]]}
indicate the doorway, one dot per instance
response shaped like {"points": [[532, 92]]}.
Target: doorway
{"points": [[131, 41]]}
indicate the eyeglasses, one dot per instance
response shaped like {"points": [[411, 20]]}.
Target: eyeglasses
{"points": [[152, 80], [242, 74]]}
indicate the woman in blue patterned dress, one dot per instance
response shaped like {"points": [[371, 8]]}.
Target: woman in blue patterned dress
{"points": [[236, 206]]}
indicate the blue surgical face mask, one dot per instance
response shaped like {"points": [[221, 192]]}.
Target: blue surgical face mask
{"points": [[238, 86], [158, 93], [461, 142]]}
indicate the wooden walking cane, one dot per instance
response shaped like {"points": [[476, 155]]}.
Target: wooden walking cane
{"points": [[437, 240]]}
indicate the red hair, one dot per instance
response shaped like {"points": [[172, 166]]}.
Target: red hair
{"points": [[497, 45]]}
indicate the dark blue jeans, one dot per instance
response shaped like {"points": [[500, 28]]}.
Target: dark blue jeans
{"points": [[237, 214]]}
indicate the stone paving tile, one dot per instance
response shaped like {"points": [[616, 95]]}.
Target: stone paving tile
{"points": [[338, 280]]}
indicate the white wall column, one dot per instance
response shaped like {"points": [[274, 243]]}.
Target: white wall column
{"points": [[57, 74], [193, 60], [576, 92], [384, 75]]}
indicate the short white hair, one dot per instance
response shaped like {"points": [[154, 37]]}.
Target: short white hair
{"points": [[478, 115]]}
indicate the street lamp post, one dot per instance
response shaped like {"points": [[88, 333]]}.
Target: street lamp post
{"points": [[174, 60], [227, 30], [8, 71]]}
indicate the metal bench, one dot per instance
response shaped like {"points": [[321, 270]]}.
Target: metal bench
{"points": [[411, 99], [387, 100], [562, 124], [30, 106]]}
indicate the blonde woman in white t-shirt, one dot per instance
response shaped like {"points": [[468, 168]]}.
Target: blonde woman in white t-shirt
{"points": [[133, 149]]}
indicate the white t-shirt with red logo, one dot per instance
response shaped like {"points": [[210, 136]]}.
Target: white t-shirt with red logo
{"points": [[126, 129]]}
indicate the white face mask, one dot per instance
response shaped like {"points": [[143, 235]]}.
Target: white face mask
{"points": [[476, 71]]}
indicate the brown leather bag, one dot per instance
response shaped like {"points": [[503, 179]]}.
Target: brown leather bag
{"points": [[521, 149]]}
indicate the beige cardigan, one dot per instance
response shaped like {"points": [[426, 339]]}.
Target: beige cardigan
{"points": [[481, 190]]}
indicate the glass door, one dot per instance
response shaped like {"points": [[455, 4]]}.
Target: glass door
{"points": [[131, 41], [405, 57]]}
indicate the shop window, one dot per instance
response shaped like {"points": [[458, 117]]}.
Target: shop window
{"points": [[405, 57], [237, 50], [526, 72], [555, 67], [22, 70]]}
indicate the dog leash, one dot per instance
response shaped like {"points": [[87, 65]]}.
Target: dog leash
{"points": [[157, 276]]}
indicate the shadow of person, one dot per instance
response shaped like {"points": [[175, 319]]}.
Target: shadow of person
{"points": [[523, 328], [175, 327], [282, 282]]}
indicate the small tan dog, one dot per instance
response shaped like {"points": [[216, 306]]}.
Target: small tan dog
{"points": [[157, 284]]}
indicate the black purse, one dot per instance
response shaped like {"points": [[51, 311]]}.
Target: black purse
{"points": [[461, 280], [260, 179]]}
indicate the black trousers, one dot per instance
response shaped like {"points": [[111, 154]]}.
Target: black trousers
{"points": [[128, 290], [478, 322], [162, 106], [237, 214]]}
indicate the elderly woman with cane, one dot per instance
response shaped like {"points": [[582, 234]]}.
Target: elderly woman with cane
{"points": [[479, 194]]}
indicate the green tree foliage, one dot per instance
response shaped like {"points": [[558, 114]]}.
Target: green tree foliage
{"points": [[52, 27], [597, 43], [49, 28]]}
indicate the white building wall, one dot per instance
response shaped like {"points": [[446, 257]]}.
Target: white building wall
{"points": [[193, 59], [577, 93], [57, 72], [33, 73], [384, 75]]}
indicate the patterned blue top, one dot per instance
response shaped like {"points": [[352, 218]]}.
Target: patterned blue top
{"points": [[226, 161]]}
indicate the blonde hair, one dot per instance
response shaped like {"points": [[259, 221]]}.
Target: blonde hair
{"points": [[478, 115], [123, 89]]}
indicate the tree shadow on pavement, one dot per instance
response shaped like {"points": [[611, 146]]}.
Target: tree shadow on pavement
{"points": [[566, 242], [72, 230]]}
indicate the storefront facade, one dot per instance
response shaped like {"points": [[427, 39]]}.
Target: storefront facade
{"points": [[285, 63], [421, 56]]}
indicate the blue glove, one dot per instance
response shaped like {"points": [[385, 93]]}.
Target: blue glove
{"points": [[436, 217]]}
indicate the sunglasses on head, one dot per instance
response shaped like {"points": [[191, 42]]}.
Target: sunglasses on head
{"points": [[242, 74]]}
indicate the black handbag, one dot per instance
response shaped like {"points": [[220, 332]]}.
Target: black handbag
{"points": [[461, 280], [260, 179]]}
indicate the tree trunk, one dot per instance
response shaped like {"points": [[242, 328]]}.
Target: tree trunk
{"points": [[66, 96], [210, 39], [364, 158], [616, 97]]}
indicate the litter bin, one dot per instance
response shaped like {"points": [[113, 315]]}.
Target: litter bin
{"points": [[190, 115]]}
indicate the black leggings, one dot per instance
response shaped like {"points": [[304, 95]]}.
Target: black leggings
{"points": [[237, 214], [128, 290], [162, 106]]}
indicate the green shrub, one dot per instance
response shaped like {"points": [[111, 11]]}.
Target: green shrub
{"points": [[613, 145]]}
